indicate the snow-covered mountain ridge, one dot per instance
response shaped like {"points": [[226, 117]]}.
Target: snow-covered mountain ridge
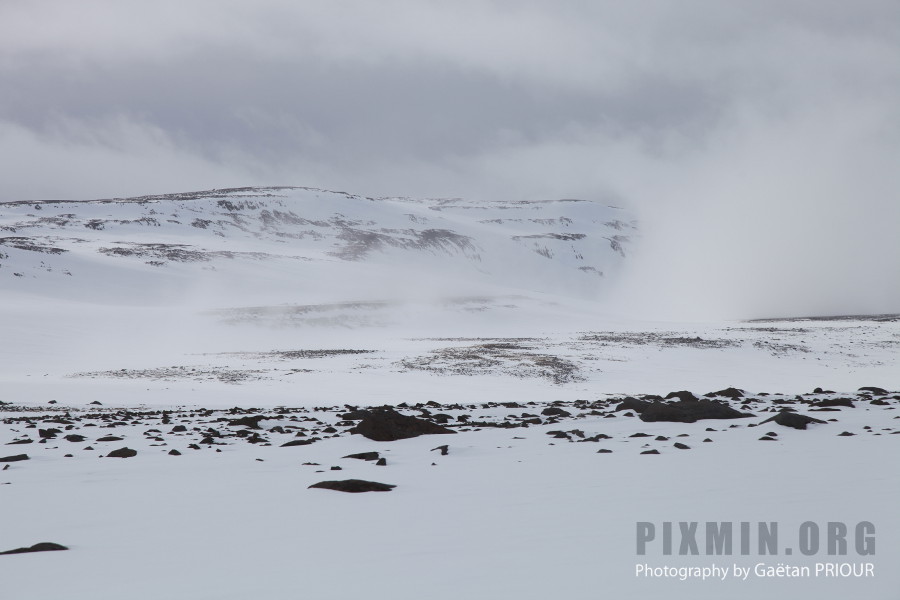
{"points": [[567, 246]]}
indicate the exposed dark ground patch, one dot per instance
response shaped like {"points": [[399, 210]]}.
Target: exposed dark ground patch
{"points": [[661, 339], [41, 245], [178, 252], [880, 318], [223, 374], [508, 357], [358, 243], [295, 354]]}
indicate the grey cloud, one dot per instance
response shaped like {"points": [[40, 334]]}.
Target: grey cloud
{"points": [[745, 134]]}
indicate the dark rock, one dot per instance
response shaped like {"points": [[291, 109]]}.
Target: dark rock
{"points": [[42, 547], [355, 415], [179, 429], [110, 438], [19, 442], [354, 486], [445, 449], [74, 437], [48, 434], [381, 462], [767, 438], [555, 411], [174, 452], [681, 446], [683, 395], [604, 451], [364, 456], [386, 425], [690, 411], [639, 435], [15, 458], [791, 419], [299, 442], [249, 422], [122, 453], [731, 392], [256, 438], [875, 390], [829, 402], [97, 403], [336, 468], [650, 452], [845, 434], [634, 404]]}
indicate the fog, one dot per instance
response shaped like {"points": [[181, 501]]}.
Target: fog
{"points": [[756, 143]]}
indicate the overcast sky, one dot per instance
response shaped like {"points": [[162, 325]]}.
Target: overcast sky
{"points": [[758, 141]]}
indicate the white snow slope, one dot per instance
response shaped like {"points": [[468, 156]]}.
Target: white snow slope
{"points": [[281, 300]]}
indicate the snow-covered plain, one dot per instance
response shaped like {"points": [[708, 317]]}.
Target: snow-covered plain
{"points": [[281, 300]]}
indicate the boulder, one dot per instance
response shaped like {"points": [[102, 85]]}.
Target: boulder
{"points": [[690, 411], [830, 402], [14, 458], [354, 486], [555, 411], [731, 392], [792, 419], [683, 395], [875, 390], [42, 547], [250, 422], [386, 425], [634, 404], [122, 453], [364, 456]]}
